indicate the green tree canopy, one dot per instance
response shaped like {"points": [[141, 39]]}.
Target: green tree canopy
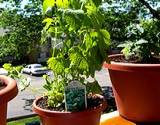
{"points": [[132, 19], [24, 25], [124, 19]]}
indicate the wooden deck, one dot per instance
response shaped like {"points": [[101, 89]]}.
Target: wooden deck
{"points": [[114, 118]]}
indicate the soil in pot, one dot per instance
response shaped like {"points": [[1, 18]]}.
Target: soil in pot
{"points": [[2, 86], [92, 101], [153, 60]]}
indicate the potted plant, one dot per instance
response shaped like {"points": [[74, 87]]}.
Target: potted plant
{"points": [[80, 46], [135, 79], [8, 90]]}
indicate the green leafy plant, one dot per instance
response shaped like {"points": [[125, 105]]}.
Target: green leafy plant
{"points": [[15, 73], [80, 44], [139, 49]]}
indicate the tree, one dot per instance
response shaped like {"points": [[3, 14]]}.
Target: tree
{"points": [[24, 26], [154, 12], [131, 19], [143, 6]]}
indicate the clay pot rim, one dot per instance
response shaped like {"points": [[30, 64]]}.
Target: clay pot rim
{"points": [[9, 91], [130, 66], [46, 112]]}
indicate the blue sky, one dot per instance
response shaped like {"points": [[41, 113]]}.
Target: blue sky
{"points": [[25, 2], [6, 3]]}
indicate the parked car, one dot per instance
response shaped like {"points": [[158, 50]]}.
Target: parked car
{"points": [[35, 69], [3, 71]]}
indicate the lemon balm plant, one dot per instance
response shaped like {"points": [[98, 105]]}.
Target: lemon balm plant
{"points": [[84, 46], [80, 46]]}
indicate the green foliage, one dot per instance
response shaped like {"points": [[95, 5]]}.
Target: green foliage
{"points": [[140, 49], [93, 87], [7, 49], [120, 15], [133, 20], [81, 43], [12, 71], [15, 73], [55, 90], [23, 30]]}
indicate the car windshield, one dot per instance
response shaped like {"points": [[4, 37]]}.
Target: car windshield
{"points": [[38, 66]]}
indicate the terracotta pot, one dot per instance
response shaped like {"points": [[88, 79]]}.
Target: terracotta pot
{"points": [[8, 92], [87, 117], [137, 90]]}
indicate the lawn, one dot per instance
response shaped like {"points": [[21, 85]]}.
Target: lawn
{"points": [[23, 121]]}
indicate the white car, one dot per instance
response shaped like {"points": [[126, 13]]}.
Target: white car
{"points": [[35, 69]]}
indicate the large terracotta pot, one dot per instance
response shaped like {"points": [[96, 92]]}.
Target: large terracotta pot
{"points": [[8, 92], [87, 117], [137, 90]]}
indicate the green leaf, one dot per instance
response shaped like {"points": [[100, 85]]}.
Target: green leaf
{"points": [[56, 64], [88, 42], [48, 84], [49, 22], [94, 87], [62, 3], [106, 36], [48, 4], [95, 16], [97, 2], [75, 4], [78, 61], [104, 43], [141, 41], [7, 66], [23, 83]]}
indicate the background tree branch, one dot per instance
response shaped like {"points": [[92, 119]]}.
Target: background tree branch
{"points": [[154, 12]]}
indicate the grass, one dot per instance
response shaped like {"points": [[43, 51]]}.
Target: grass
{"points": [[23, 121]]}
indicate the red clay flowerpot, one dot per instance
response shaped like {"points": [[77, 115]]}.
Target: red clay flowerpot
{"points": [[8, 92], [87, 117], [137, 90]]}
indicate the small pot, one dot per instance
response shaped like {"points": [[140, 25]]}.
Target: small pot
{"points": [[137, 90], [8, 92], [86, 117]]}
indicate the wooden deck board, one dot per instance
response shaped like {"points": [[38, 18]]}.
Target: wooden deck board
{"points": [[114, 118]]}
